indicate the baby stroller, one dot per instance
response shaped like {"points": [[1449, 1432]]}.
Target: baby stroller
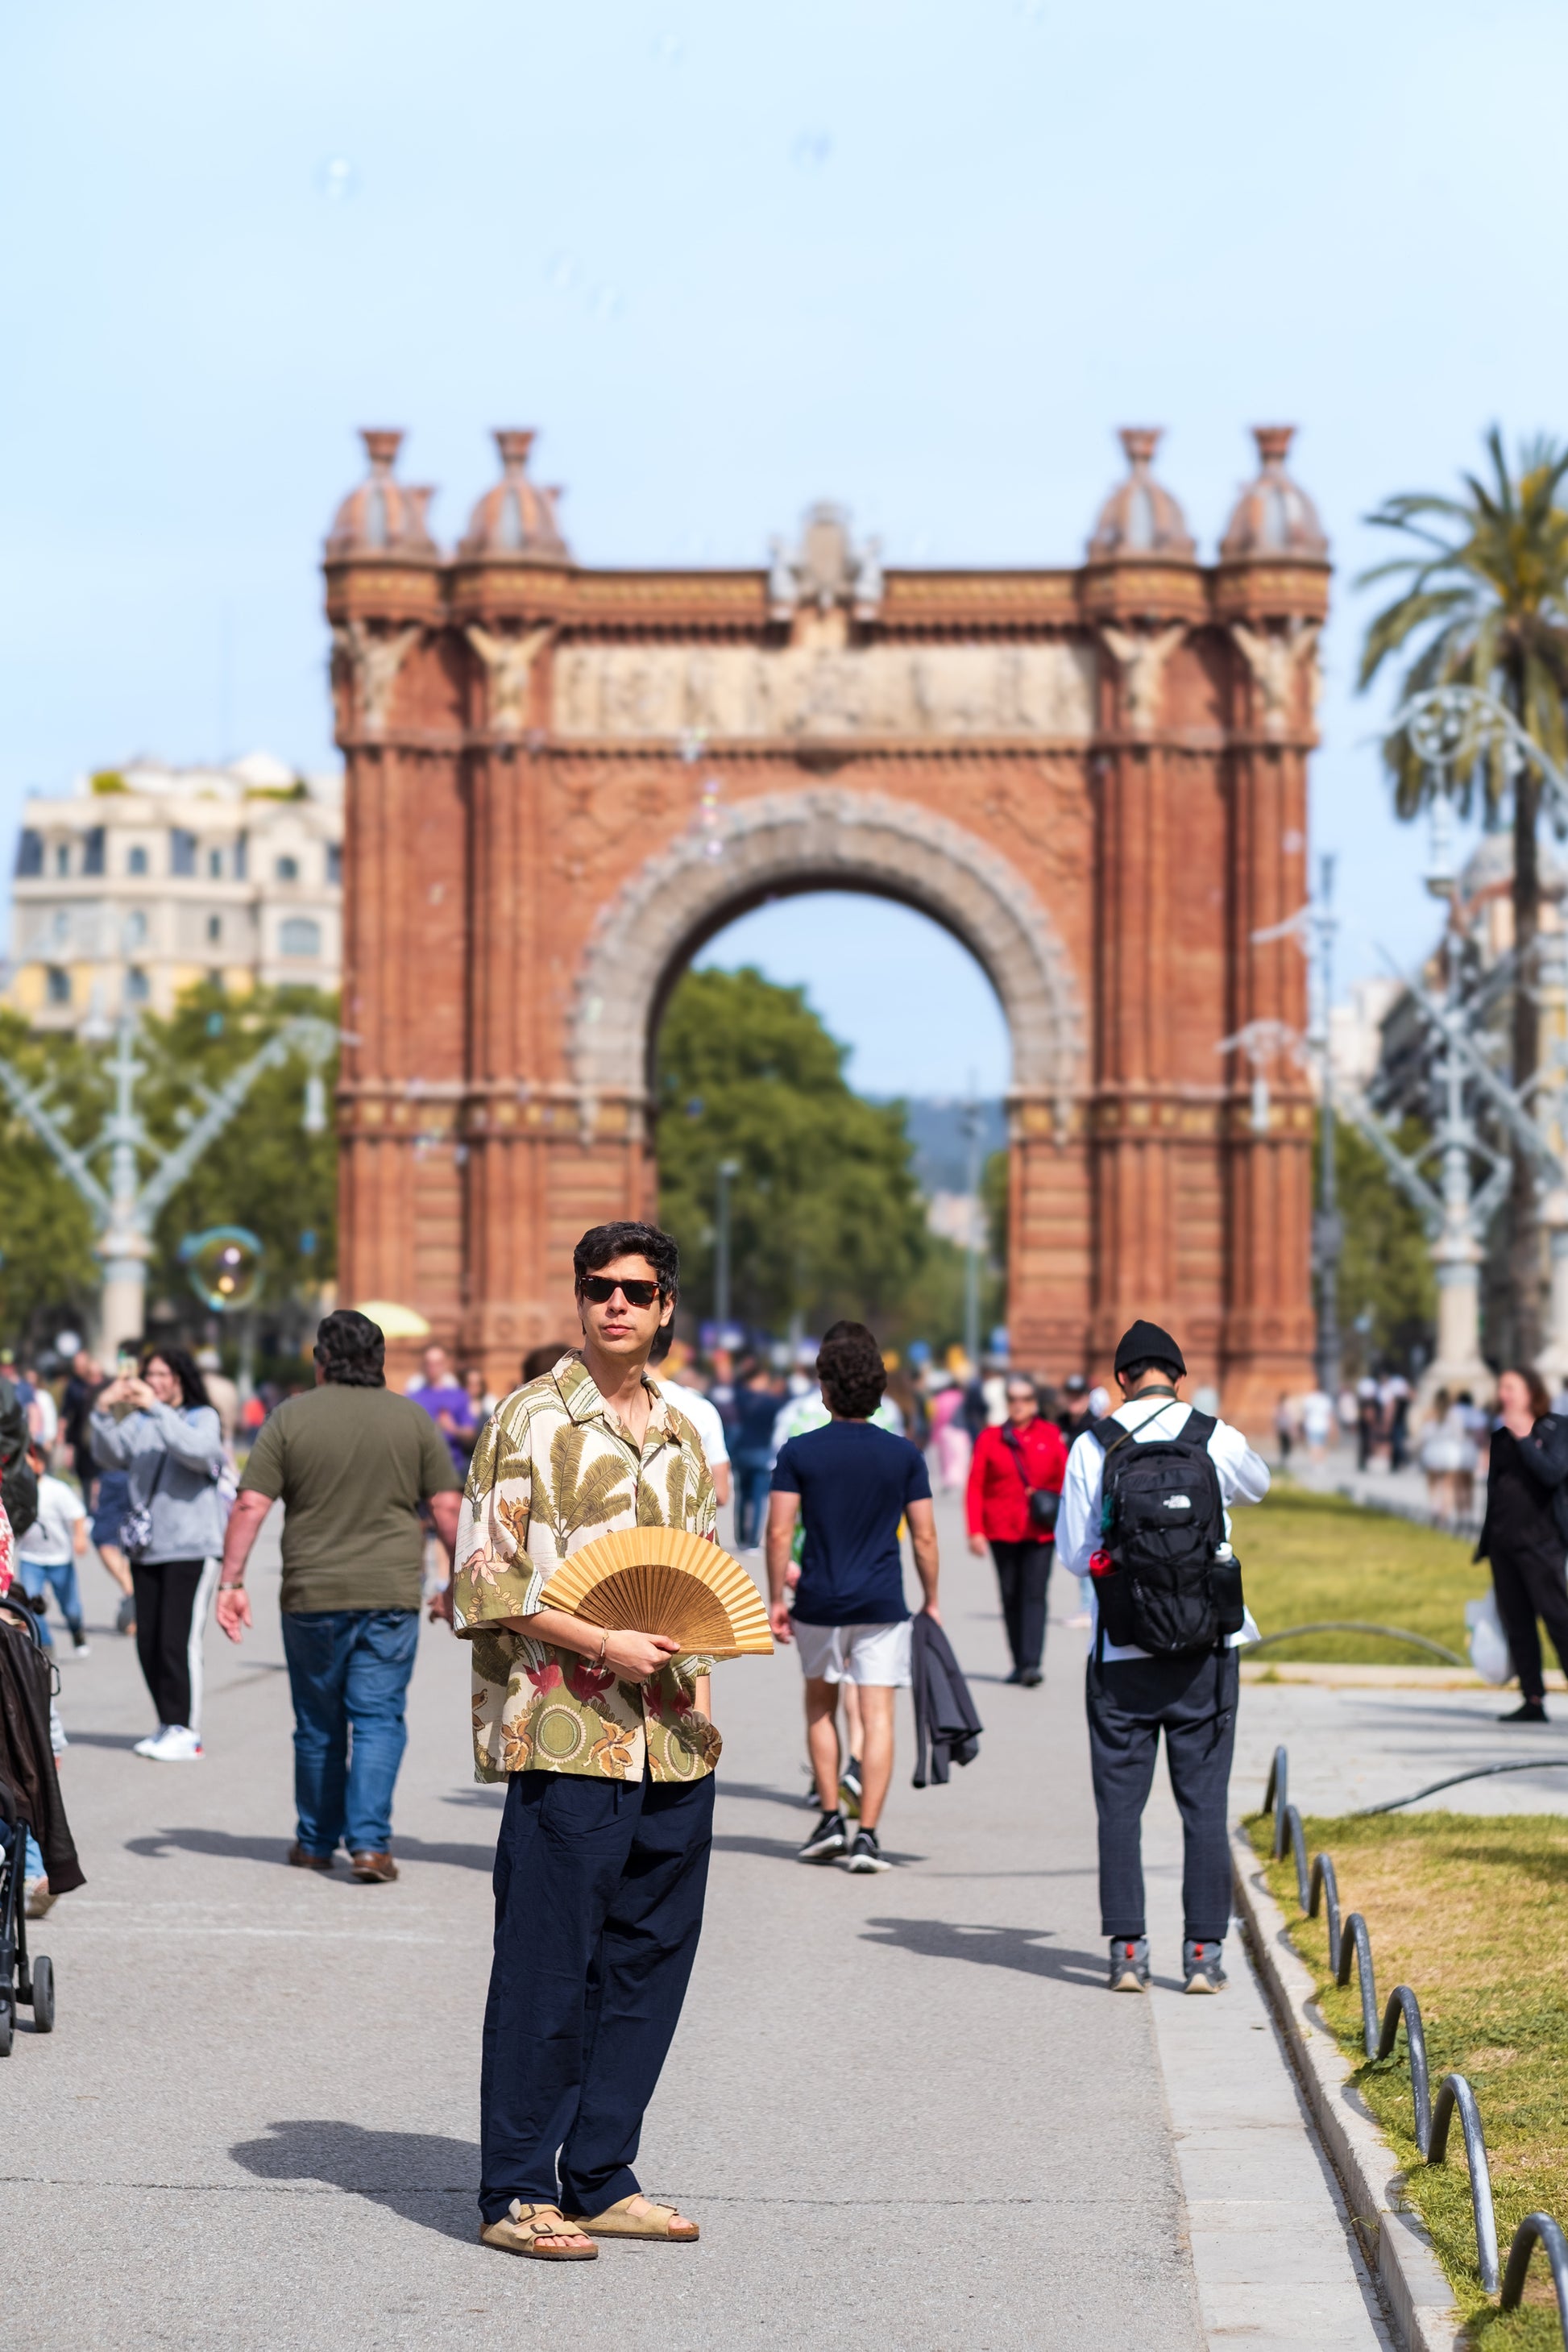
{"points": [[23, 1977]]}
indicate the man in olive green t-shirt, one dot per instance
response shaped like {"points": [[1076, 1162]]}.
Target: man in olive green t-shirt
{"points": [[353, 1463]]}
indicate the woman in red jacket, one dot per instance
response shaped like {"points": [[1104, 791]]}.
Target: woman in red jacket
{"points": [[1026, 1459]]}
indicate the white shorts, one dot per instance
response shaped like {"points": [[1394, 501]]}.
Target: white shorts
{"points": [[856, 1654]]}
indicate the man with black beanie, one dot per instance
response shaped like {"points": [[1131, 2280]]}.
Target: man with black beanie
{"points": [[1144, 1518]]}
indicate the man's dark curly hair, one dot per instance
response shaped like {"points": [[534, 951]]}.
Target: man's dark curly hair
{"points": [[351, 1350], [849, 1366], [602, 1245]]}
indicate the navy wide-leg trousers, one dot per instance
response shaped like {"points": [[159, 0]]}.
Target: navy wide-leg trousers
{"points": [[598, 1888]]}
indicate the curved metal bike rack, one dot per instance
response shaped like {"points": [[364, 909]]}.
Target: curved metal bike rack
{"points": [[1453, 2092], [1359, 1625], [1536, 2229], [1351, 1942]]}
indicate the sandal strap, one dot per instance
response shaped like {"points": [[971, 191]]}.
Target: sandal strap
{"points": [[541, 2220]]}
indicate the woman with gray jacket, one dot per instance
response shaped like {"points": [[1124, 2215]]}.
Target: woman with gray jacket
{"points": [[167, 1439]]}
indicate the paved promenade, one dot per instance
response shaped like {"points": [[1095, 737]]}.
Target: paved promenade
{"points": [[904, 2108]]}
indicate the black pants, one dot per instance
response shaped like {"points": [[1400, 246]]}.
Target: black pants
{"points": [[1529, 1587], [1023, 1572], [1192, 1701], [599, 1888], [169, 1626]]}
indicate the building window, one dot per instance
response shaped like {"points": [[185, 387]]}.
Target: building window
{"points": [[215, 864], [334, 862], [300, 937], [241, 856], [29, 855], [58, 984], [287, 870], [137, 861], [136, 991], [63, 858], [94, 842], [215, 929], [61, 925], [181, 851], [135, 927]]}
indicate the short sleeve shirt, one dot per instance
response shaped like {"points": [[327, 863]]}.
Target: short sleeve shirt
{"points": [[352, 1466], [49, 1541], [854, 1483], [553, 1469]]}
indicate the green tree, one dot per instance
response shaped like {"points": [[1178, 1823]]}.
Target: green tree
{"points": [[826, 1218], [49, 1276], [1388, 1290], [1485, 604], [263, 1171]]}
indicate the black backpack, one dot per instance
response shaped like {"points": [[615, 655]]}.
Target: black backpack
{"points": [[1162, 1524]]}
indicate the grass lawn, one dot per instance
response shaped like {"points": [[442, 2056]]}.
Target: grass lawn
{"points": [[1472, 1911], [1306, 1557]]}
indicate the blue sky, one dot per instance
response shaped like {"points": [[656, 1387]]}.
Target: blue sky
{"points": [[922, 258]]}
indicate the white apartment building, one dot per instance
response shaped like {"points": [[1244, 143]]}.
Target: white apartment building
{"points": [[146, 878]]}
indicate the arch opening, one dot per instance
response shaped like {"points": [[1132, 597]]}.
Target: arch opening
{"points": [[786, 845]]}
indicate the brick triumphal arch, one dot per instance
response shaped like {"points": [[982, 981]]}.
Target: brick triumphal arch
{"points": [[562, 781]]}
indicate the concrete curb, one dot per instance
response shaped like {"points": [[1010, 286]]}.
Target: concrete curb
{"points": [[1408, 2271]]}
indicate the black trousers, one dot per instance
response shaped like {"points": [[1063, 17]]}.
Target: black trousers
{"points": [[1023, 1572], [1529, 1587], [169, 1627], [1192, 1701], [598, 1888]]}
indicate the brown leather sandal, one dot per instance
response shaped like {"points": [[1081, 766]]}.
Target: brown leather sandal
{"points": [[538, 2231], [614, 2221]]}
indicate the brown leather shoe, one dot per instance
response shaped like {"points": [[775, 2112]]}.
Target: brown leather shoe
{"points": [[299, 1860], [373, 1869]]}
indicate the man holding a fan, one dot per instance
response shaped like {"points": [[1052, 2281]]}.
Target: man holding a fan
{"points": [[603, 1738]]}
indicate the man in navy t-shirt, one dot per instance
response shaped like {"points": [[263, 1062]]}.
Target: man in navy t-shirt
{"points": [[852, 1484]]}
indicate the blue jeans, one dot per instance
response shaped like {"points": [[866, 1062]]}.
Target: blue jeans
{"points": [[348, 1671], [37, 1577], [753, 1476]]}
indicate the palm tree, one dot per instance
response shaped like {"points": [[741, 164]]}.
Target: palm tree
{"points": [[1485, 601]]}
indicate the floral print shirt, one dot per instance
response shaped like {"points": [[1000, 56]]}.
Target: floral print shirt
{"points": [[553, 1469]]}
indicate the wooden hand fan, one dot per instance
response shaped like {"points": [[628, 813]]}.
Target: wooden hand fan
{"points": [[663, 1581]]}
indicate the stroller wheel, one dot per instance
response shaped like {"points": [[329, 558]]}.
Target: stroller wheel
{"points": [[7, 2021], [43, 1994]]}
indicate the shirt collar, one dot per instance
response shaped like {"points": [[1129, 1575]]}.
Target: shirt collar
{"points": [[580, 1395]]}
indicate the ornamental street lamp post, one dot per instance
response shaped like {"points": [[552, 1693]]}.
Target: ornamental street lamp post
{"points": [[728, 1170], [128, 1207]]}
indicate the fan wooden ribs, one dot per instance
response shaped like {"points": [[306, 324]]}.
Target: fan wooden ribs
{"points": [[663, 1581]]}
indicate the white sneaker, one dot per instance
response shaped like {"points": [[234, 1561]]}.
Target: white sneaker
{"points": [[145, 1747], [175, 1745], [38, 1898]]}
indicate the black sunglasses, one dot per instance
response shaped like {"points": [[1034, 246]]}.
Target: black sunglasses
{"points": [[601, 1289]]}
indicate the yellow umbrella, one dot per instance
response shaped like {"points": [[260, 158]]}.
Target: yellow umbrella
{"points": [[396, 1322]]}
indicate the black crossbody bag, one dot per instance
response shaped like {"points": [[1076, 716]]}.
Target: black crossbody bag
{"points": [[1043, 1503]]}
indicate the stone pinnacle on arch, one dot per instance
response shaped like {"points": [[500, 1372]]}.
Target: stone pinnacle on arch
{"points": [[1273, 516], [383, 516], [1140, 517], [516, 521]]}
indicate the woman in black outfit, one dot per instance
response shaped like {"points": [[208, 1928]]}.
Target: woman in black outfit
{"points": [[1520, 1535]]}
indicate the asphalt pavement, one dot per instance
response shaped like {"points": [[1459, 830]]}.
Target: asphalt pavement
{"points": [[903, 2108]]}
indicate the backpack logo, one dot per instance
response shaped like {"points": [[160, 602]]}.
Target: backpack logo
{"points": [[1178, 1502]]}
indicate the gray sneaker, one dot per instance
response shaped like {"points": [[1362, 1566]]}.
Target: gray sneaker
{"points": [[1128, 1963], [1201, 1967], [865, 1853]]}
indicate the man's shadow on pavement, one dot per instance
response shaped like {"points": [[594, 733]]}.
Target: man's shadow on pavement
{"points": [[225, 1846], [993, 1948], [422, 2176]]}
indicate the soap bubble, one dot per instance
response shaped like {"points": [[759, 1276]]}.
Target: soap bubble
{"points": [[668, 49], [811, 149], [223, 1266], [562, 269], [337, 178]]}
